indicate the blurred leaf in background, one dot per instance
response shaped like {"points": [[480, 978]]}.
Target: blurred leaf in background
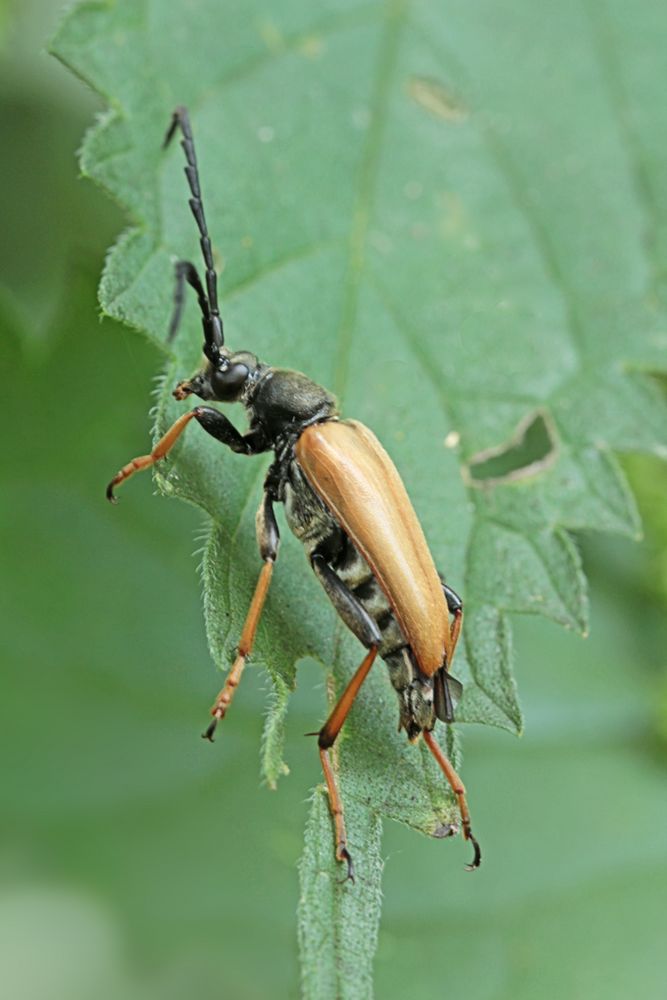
{"points": [[136, 862], [44, 113]]}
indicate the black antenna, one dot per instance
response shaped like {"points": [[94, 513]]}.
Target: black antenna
{"points": [[185, 271]]}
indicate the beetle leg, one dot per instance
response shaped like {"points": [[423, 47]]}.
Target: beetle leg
{"points": [[350, 609], [161, 449], [458, 788], [218, 426], [331, 728], [444, 685], [455, 605], [336, 810], [327, 737], [214, 423], [224, 699], [268, 540], [360, 623]]}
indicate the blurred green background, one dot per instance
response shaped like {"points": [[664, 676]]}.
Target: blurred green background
{"points": [[137, 861]]}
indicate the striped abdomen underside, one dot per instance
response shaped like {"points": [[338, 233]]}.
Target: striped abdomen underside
{"points": [[414, 689], [313, 524], [349, 470]]}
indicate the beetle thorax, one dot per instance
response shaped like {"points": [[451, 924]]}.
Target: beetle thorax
{"points": [[285, 401]]}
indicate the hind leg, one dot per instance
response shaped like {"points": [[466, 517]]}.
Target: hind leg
{"points": [[362, 625], [458, 788], [326, 739], [455, 606]]}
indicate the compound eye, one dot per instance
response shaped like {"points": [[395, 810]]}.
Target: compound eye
{"points": [[228, 383]]}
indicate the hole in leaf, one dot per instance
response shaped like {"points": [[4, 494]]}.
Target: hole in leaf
{"points": [[531, 449], [436, 98]]}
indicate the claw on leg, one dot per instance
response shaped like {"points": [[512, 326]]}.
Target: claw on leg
{"points": [[344, 855], [161, 450], [477, 856], [336, 809], [224, 699], [210, 730], [458, 788]]}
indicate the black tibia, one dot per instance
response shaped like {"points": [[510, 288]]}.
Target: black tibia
{"points": [[186, 271], [346, 604], [454, 602], [218, 426], [266, 527], [213, 330]]}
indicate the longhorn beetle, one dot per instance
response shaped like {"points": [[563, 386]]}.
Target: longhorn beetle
{"points": [[345, 501]]}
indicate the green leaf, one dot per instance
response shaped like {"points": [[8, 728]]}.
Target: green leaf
{"points": [[338, 930], [456, 230]]}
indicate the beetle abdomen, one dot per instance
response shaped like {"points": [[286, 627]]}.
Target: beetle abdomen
{"points": [[414, 689], [317, 530], [313, 524], [353, 475], [356, 574]]}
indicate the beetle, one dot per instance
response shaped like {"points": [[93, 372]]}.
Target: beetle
{"points": [[345, 501]]}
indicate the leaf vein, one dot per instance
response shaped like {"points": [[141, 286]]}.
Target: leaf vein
{"points": [[388, 51], [607, 57]]}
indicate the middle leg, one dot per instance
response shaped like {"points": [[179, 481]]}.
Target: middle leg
{"points": [[268, 539]]}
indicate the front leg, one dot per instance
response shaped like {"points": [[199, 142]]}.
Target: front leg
{"points": [[214, 423], [218, 426]]}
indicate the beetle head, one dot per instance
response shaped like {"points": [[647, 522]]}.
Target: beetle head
{"points": [[225, 377]]}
